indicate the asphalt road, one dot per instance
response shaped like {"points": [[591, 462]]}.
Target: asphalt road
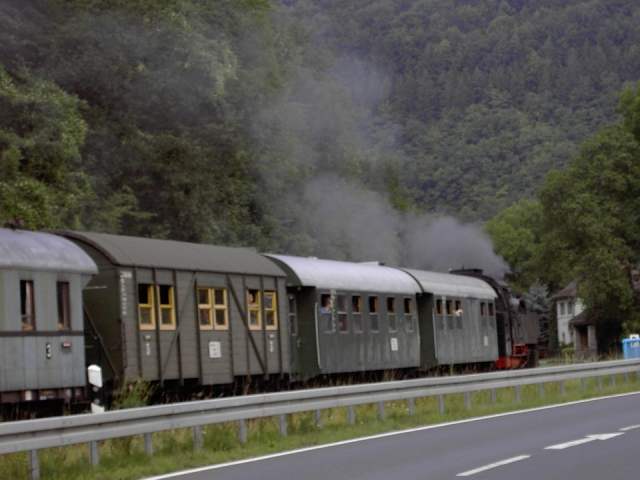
{"points": [[593, 440]]}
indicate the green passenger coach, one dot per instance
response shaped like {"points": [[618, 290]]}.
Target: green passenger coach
{"points": [[350, 317], [183, 314]]}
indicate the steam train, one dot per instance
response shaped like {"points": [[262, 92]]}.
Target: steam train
{"points": [[191, 317]]}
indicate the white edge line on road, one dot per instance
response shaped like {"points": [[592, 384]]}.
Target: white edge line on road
{"points": [[383, 435], [493, 465], [630, 427]]}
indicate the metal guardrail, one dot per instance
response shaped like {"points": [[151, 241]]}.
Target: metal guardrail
{"points": [[33, 435]]}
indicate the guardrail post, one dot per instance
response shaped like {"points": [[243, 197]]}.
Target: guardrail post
{"points": [[626, 377], [34, 465], [518, 389], [467, 400], [583, 384], [494, 396], [148, 444], [599, 383], [541, 390], [242, 430], [638, 375], [411, 406], [318, 418], [197, 437], [562, 389], [441, 404], [283, 425], [613, 380], [94, 453], [381, 414], [351, 415]]}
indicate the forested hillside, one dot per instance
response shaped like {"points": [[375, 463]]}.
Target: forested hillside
{"points": [[312, 126]]}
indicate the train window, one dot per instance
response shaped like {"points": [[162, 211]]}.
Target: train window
{"points": [[64, 306], [449, 307], [373, 314], [254, 309], [483, 309], [490, 309], [146, 307], [167, 307], [391, 314], [438, 307], [27, 306], [343, 318], [326, 312], [356, 313], [205, 308], [408, 314], [293, 317], [220, 309], [270, 310], [356, 304]]}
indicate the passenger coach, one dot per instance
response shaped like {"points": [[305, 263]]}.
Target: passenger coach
{"points": [[42, 346], [350, 317], [457, 319], [183, 313]]}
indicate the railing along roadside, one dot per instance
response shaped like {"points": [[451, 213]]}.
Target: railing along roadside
{"points": [[33, 435]]}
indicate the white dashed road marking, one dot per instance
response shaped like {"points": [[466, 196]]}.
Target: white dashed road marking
{"points": [[493, 465], [631, 427]]}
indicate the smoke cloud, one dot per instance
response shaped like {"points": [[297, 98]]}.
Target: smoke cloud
{"points": [[349, 222]]}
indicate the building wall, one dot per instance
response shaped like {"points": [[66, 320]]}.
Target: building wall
{"points": [[567, 309]]}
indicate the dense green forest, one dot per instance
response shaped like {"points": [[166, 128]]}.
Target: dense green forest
{"points": [[308, 126]]}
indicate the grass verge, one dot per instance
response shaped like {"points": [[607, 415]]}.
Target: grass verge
{"points": [[124, 459]]}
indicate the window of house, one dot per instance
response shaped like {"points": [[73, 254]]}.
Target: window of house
{"points": [[64, 306], [562, 308], [343, 318], [356, 313], [408, 314], [570, 308], [374, 321], [449, 307], [271, 310], [438, 307], [27, 306], [391, 314], [254, 309], [490, 305], [293, 315], [483, 309], [146, 307], [167, 307]]}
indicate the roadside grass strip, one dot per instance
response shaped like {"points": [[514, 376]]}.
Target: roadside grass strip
{"points": [[125, 458]]}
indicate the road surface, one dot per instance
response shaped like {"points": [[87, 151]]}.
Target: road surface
{"points": [[590, 440]]}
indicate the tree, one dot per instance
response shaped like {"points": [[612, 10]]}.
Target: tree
{"points": [[41, 134]]}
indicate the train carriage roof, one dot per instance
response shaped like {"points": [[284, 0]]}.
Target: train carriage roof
{"points": [[349, 276], [38, 251], [173, 255], [449, 285]]}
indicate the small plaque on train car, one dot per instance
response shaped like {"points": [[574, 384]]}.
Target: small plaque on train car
{"points": [[215, 351]]}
